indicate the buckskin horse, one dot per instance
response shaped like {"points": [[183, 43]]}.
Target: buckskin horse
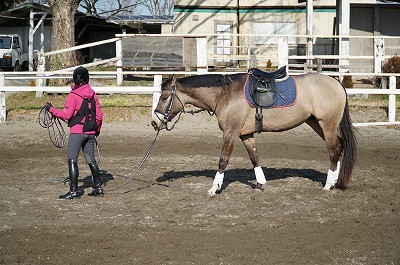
{"points": [[320, 101]]}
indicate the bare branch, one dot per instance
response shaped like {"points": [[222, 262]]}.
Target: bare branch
{"points": [[108, 9], [158, 7]]}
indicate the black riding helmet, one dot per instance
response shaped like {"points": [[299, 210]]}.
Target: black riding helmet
{"points": [[81, 75]]}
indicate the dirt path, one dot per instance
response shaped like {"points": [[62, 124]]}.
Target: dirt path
{"points": [[164, 216]]}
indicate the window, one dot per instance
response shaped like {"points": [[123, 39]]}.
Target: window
{"points": [[15, 43], [5, 42], [222, 41], [274, 28]]}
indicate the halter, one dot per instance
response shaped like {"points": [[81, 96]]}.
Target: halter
{"points": [[167, 114]]}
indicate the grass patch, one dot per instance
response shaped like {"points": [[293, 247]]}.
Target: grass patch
{"points": [[372, 101], [116, 107], [28, 100], [124, 107]]}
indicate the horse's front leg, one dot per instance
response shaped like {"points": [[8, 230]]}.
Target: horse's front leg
{"points": [[227, 148], [250, 144]]}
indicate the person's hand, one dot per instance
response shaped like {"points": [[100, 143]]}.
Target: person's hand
{"points": [[47, 106]]}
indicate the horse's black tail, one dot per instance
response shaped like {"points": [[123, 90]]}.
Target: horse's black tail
{"points": [[349, 153]]}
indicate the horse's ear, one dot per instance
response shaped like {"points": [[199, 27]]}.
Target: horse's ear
{"points": [[173, 80]]}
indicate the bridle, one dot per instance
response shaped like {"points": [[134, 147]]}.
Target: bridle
{"points": [[166, 116]]}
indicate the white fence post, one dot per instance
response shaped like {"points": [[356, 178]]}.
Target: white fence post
{"points": [[156, 94], [118, 54], [202, 54], [379, 54], [392, 100], [283, 52], [2, 101], [40, 69], [309, 29]]}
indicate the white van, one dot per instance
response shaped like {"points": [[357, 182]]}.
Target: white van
{"points": [[12, 56]]}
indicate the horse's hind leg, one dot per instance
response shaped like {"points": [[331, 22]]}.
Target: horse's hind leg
{"points": [[334, 146], [250, 144]]}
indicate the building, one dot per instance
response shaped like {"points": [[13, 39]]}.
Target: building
{"points": [[259, 19], [88, 29]]}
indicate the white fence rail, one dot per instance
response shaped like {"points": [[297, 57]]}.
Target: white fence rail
{"points": [[203, 55], [281, 52], [155, 90]]}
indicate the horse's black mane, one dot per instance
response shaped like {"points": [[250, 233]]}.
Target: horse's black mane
{"points": [[209, 80], [202, 81]]}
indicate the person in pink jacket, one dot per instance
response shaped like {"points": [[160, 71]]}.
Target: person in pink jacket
{"points": [[79, 112]]}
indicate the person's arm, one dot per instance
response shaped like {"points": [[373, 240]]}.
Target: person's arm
{"points": [[68, 110]]}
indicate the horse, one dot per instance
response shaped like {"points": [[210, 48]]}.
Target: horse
{"points": [[321, 103]]}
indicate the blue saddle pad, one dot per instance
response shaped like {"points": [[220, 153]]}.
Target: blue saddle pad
{"points": [[285, 98]]}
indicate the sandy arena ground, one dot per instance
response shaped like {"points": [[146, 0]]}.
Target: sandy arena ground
{"points": [[164, 216]]}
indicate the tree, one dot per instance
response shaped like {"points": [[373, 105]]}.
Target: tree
{"points": [[159, 7], [107, 9], [7, 4], [63, 14], [63, 31]]}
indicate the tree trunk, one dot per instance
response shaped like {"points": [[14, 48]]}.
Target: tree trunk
{"points": [[63, 32]]}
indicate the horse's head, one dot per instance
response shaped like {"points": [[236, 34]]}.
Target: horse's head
{"points": [[169, 104]]}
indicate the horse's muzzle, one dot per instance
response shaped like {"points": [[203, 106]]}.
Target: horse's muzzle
{"points": [[157, 123]]}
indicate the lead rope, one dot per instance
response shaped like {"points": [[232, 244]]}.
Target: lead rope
{"points": [[54, 128], [138, 168]]}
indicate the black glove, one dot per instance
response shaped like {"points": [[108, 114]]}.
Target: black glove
{"points": [[47, 106]]}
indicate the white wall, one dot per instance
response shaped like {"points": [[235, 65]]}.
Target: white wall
{"points": [[24, 33]]}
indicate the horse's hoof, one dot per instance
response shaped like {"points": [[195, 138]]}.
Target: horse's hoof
{"points": [[259, 187], [328, 186], [211, 194], [214, 189]]}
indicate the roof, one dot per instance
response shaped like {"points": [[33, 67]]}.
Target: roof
{"points": [[18, 15], [144, 19], [394, 2]]}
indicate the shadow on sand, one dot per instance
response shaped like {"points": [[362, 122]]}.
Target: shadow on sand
{"points": [[246, 176]]}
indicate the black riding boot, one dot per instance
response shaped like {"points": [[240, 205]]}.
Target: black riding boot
{"points": [[73, 192], [97, 190]]}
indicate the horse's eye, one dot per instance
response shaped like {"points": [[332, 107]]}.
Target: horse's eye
{"points": [[164, 95]]}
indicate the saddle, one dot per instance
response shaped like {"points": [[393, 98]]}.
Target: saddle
{"points": [[263, 90], [262, 85]]}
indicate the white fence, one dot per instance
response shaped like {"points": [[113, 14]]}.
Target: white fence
{"points": [[202, 48], [155, 90], [204, 52]]}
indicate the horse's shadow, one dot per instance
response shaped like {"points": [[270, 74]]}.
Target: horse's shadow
{"points": [[247, 176]]}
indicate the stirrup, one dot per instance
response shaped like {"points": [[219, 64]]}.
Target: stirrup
{"points": [[72, 194], [96, 192]]}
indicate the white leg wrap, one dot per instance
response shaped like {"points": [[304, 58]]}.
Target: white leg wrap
{"points": [[332, 177], [217, 183], [260, 175]]}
